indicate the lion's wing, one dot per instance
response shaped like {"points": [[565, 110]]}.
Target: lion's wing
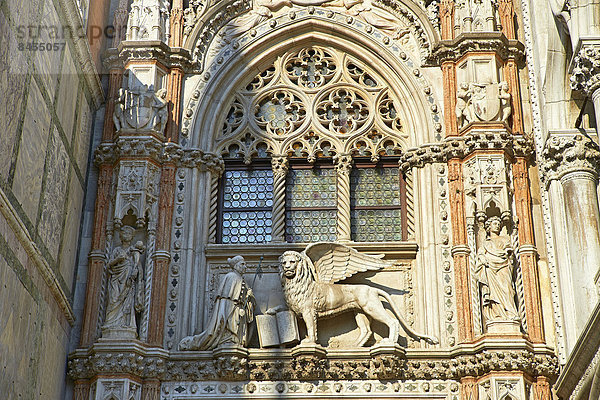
{"points": [[334, 262]]}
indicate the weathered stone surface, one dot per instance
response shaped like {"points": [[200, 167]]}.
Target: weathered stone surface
{"points": [[27, 182]]}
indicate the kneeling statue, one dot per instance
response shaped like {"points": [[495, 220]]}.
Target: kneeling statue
{"points": [[233, 312]]}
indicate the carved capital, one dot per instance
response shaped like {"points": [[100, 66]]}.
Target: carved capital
{"points": [[343, 163], [569, 153], [585, 75], [280, 166], [153, 149]]}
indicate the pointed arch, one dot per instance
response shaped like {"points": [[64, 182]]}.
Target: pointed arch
{"points": [[403, 75]]}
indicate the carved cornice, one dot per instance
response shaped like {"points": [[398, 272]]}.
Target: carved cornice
{"points": [[585, 73], [277, 365], [454, 49], [151, 51], [569, 153], [159, 152], [462, 146]]}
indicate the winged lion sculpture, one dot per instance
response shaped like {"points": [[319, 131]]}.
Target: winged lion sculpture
{"points": [[310, 287]]}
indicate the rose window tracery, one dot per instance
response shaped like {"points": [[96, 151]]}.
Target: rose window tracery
{"points": [[280, 112], [311, 68], [314, 102], [342, 110]]}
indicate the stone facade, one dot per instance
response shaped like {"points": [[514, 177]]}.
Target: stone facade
{"points": [[49, 98], [301, 199]]}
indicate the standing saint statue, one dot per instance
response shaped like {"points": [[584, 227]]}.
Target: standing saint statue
{"points": [[125, 286], [495, 274], [232, 314]]}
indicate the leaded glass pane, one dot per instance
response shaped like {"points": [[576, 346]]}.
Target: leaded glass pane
{"points": [[248, 189], [375, 204], [310, 226], [247, 203], [246, 226], [373, 187], [311, 188], [376, 225]]}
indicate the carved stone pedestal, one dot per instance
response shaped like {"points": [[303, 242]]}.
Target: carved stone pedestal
{"points": [[119, 333], [388, 360], [309, 350], [503, 327]]}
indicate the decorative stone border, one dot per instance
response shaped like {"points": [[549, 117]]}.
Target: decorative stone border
{"points": [[317, 389], [279, 364], [462, 146]]}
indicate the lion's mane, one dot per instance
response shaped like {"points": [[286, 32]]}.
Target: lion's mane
{"points": [[302, 286]]}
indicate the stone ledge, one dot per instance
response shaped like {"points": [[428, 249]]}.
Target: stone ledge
{"points": [[476, 359]]}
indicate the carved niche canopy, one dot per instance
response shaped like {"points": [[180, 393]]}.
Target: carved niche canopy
{"points": [[313, 102]]}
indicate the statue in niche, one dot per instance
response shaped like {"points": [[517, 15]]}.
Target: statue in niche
{"points": [[232, 313], [310, 288], [125, 285], [494, 272]]}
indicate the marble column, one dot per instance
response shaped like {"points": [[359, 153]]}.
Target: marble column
{"points": [[572, 159]]}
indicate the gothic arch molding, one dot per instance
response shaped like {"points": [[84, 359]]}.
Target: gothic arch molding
{"points": [[204, 21], [401, 73]]}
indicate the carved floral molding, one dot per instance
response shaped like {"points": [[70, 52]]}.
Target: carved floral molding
{"points": [[462, 146], [586, 69], [274, 365], [568, 153], [150, 148]]}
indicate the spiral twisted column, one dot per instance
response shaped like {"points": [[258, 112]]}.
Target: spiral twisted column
{"points": [[215, 176], [279, 164], [343, 168]]}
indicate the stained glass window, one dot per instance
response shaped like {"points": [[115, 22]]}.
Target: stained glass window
{"points": [[311, 205], [375, 200], [247, 206]]}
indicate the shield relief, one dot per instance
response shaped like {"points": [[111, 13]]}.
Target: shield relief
{"points": [[486, 103]]}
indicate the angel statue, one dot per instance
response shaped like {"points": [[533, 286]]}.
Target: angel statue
{"points": [[233, 312], [310, 290]]}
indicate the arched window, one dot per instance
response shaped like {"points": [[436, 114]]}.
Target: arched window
{"points": [[311, 148]]}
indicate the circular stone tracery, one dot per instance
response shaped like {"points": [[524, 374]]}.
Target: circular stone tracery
{"points": [[313, 102]]}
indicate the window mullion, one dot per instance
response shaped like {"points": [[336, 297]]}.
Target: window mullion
{"points": [[343, 169], [279, 164]]}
